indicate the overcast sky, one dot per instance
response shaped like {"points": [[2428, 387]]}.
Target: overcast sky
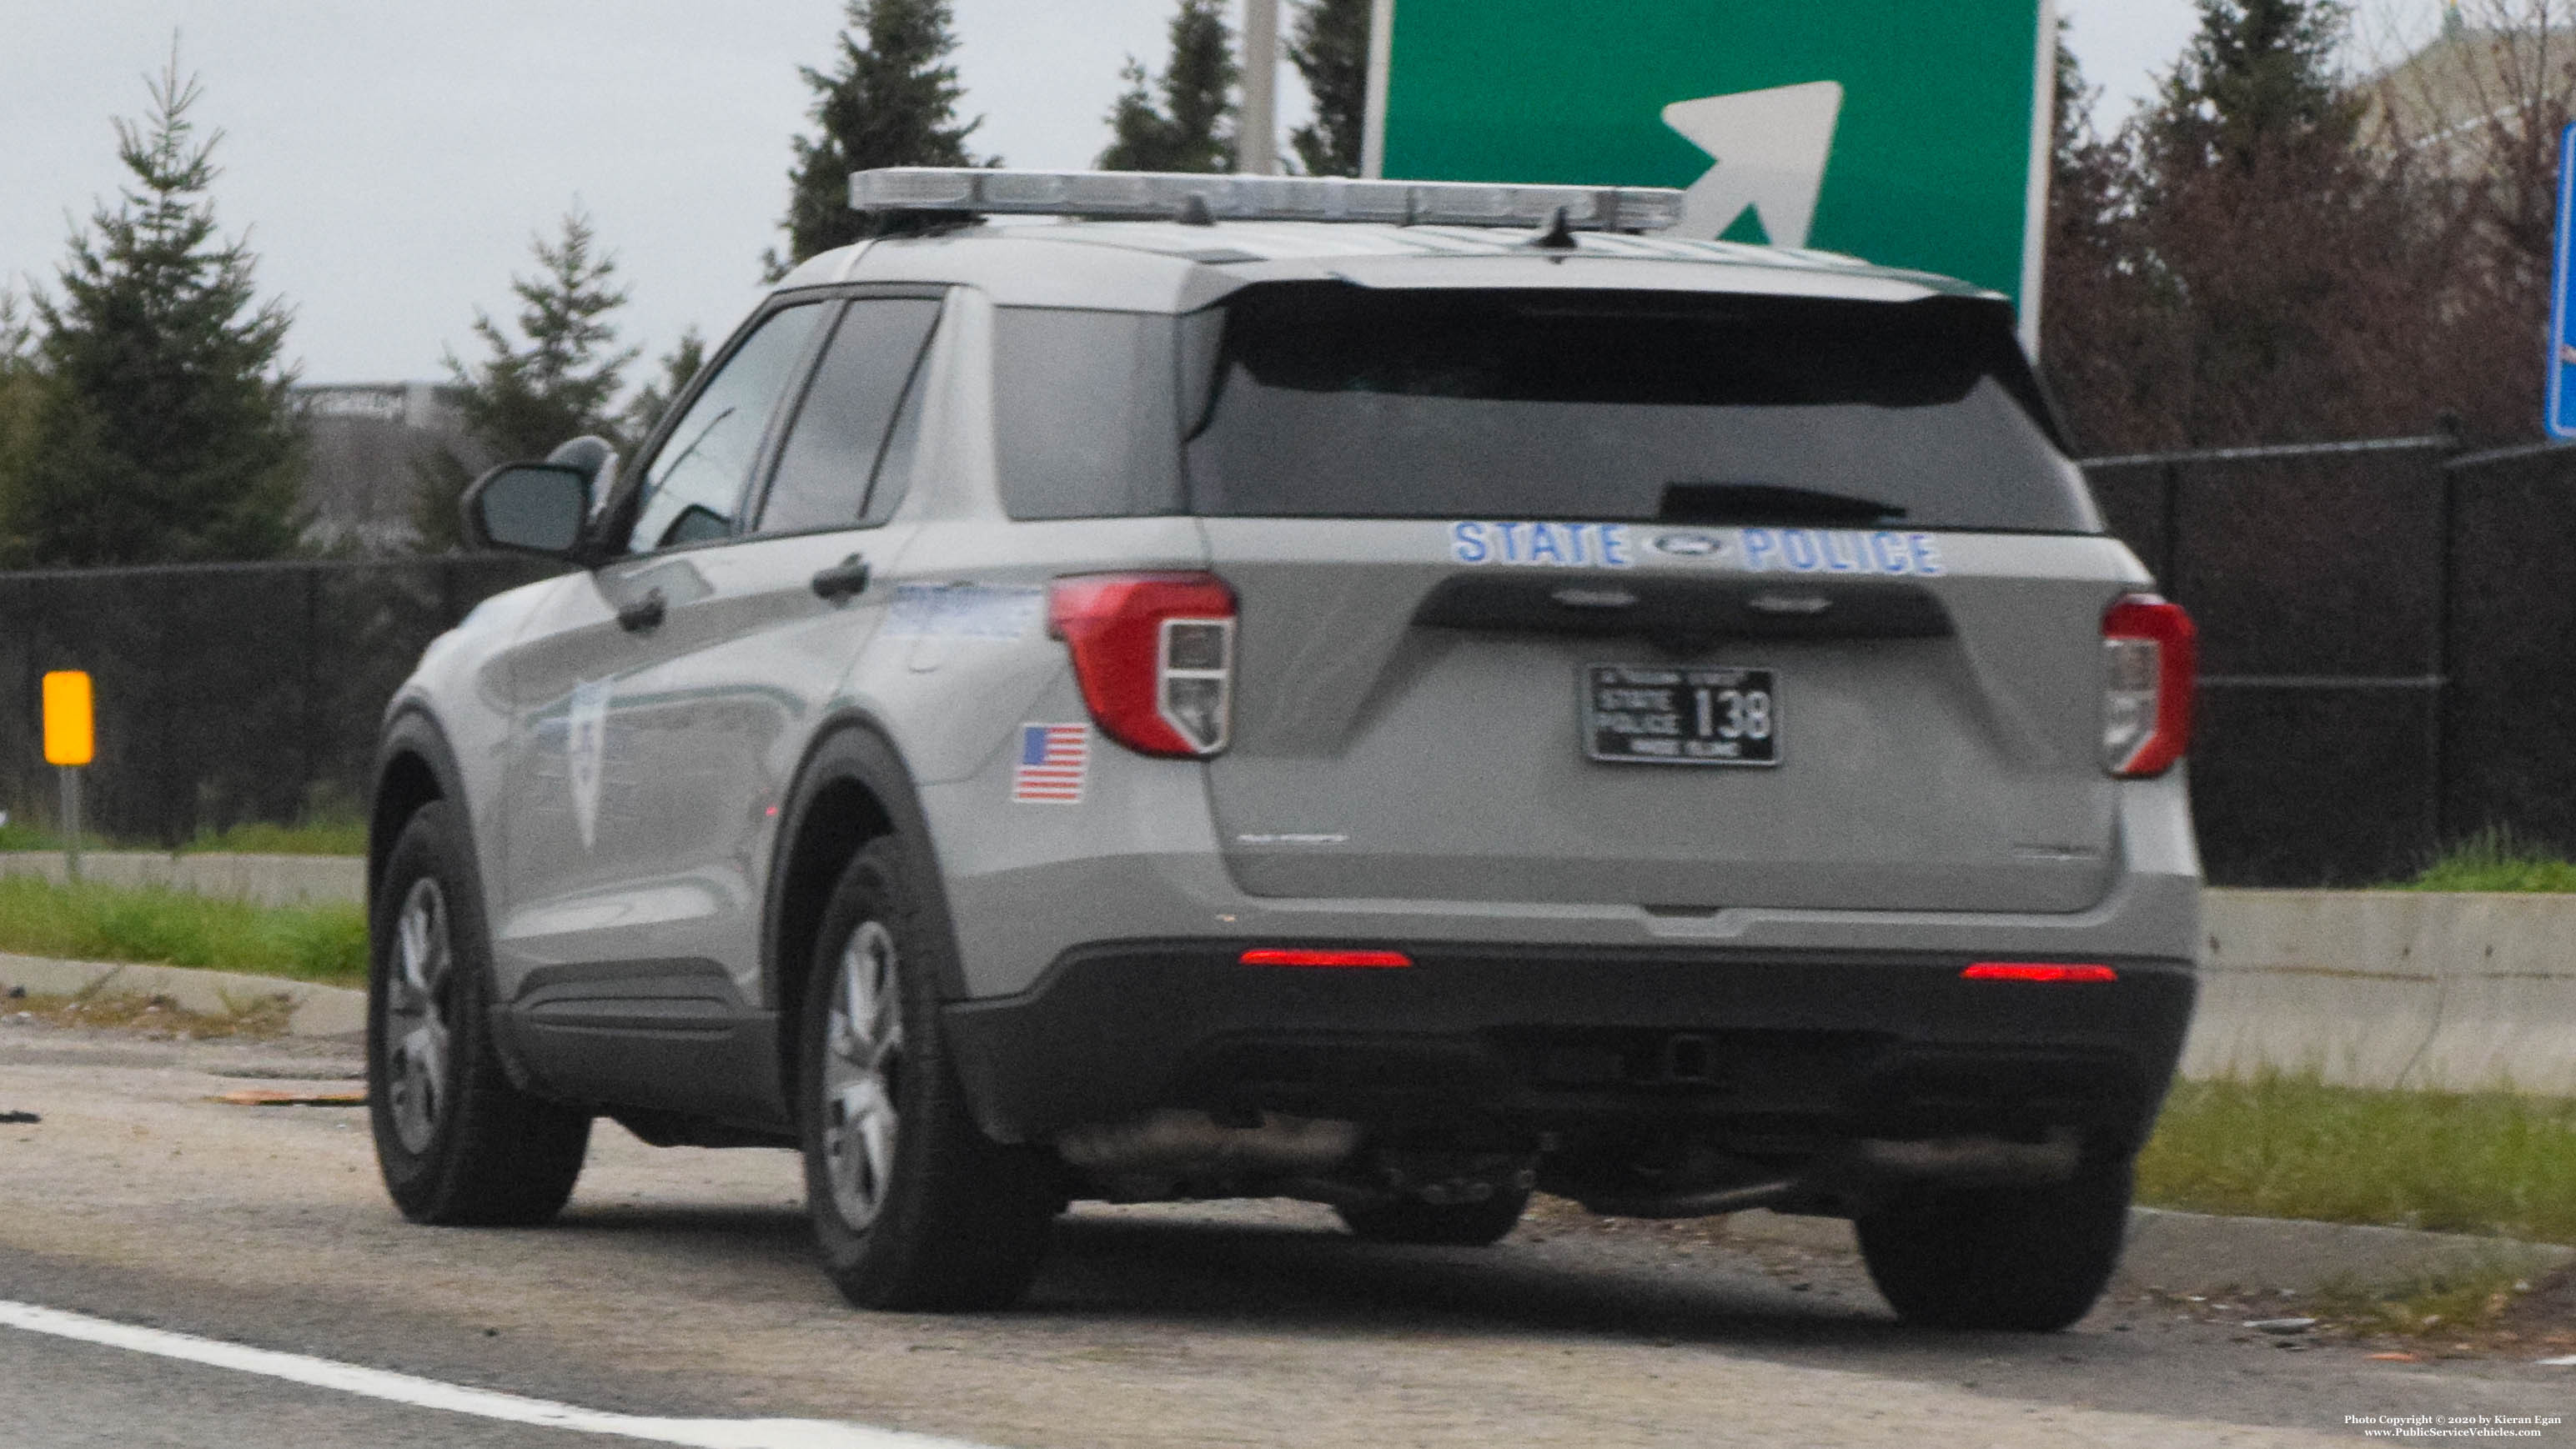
{"points": [[391, 162]]}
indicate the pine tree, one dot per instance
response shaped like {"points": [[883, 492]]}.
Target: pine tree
{"points": [[2098, 317], [522, 400], [892, 101], [1193, 128], [2272, 247], [21, 390], [2260, 76], [1330, 48], [163, 431]]}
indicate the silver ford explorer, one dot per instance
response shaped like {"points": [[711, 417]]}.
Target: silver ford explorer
{"points": [[1400, 695]]}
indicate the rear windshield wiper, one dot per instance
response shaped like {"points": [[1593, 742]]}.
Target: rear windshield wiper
{"points": [[1767, 503]]}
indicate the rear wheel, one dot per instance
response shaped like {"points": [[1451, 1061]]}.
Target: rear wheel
{"points": [[913, 1206], [1451, 1224], [2031, 1259], [457, 1143]]}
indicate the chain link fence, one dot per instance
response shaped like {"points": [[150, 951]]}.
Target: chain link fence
{"points": [[2388, 647], [2388, 656], [226, 693]]}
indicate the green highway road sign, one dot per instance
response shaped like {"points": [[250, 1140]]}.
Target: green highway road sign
{"points": [[1909, 133]]}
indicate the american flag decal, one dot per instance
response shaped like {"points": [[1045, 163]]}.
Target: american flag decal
{"points": [[1052, 759]]}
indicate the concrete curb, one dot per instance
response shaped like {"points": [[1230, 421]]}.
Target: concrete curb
{"points": [[270, 880], [2203, 1253], [2176, 1252], [320, 1011]]}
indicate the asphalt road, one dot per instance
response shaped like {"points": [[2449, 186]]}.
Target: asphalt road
{"points": [[678, 1286]]}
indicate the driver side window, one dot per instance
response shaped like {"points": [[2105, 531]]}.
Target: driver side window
{"points": [[694, 485]]}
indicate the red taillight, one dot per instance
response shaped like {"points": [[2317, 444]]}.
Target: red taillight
{"points": [[1154, 654], [2150, 661], [2053, 971], [1343, 960]]}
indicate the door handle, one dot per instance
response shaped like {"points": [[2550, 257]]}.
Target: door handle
{"points": [[643, 614], [843, 580]]}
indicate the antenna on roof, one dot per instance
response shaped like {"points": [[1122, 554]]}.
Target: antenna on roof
{"points": [[1559, 236]]}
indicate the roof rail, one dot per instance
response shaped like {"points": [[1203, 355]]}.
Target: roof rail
{"points": [[1164, 196]]}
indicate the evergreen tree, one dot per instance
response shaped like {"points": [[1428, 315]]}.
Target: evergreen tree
{"points": [[1330, 48], [1193, 128], [522, 400], [162, 430], [21, 389], [892, 101], [2097, 318], [2259, 77], [2278, 257]]}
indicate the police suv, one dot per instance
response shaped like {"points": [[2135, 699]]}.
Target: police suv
{"points": [[1135, 687]]}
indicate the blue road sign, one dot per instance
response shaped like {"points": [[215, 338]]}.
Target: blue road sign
{"points": [[2560, 415]]}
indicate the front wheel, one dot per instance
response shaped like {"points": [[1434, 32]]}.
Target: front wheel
{"points": [[458, 1144], [2031, 1259], [913, 1206]]}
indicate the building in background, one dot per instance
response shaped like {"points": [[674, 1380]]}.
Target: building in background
{"points": [[367, 444]]}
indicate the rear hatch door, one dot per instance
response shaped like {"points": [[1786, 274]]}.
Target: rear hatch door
{"points": [[1672, 600]]}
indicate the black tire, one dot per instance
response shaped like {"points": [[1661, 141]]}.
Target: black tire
{"points": [[2024, 1259], [458, 1144], [934, 1216], [1453, 1224]]}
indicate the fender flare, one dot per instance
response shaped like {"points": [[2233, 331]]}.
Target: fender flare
{"points": [[853, 747], [413, 730]]}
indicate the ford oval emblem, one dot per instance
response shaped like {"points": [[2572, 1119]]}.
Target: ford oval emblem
{"points": [[1689, 545]]}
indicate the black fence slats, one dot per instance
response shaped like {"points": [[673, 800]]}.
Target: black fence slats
{"points": [[2388, 631], [225, 693], [2388, 648]]}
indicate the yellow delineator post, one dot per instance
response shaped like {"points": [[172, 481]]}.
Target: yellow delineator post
{"points": [[71, 741]]}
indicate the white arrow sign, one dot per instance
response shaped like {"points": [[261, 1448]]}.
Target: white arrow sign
{"points": [[1770, 147]]}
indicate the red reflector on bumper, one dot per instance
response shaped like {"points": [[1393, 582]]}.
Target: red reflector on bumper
{"points": [[2037, 971], [1273, 956]]}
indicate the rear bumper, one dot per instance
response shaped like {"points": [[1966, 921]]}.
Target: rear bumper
{"points": [[1786, 1045]]}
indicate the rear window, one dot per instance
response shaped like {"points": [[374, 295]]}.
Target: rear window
{"points": [[1330, 400]]}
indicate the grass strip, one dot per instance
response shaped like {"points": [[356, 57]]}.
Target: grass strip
{"points": [[312, 837], [2462, 1298], [324, 943], [329, 835], [2289, 1146], [2495, 859]]}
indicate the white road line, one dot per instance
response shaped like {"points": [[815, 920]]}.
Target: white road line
{"points": [[322, 1373]]}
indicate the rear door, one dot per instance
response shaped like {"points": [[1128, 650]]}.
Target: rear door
{"points": [[1669, 600]]}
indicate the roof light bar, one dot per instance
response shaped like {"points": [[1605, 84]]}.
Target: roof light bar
{"points": [[1163, 196]]}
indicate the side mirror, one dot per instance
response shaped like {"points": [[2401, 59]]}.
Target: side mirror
{"points": [[529, 508]]}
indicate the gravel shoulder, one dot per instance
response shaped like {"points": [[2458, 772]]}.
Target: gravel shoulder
{"points": [[679, 1282]]}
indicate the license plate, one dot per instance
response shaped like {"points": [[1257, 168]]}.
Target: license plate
{"points": [[1650, 715]]}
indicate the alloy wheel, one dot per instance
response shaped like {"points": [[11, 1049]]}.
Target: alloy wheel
{"points": [[420, 1014], [862, 1050]]}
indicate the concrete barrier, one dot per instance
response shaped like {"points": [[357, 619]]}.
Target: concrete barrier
{"points": [[2367, 988], [2389, 989], [270, 880]]}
